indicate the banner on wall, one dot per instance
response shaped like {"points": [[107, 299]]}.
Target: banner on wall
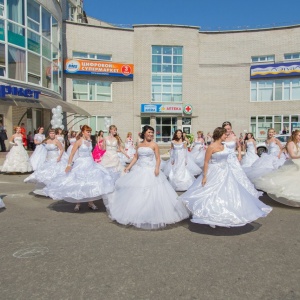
{"points": [[162, 108], [97, 67], [275, 70]]}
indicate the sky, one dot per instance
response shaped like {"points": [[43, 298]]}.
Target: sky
{"points": [[207, 14]]}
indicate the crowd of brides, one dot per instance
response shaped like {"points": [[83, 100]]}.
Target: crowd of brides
{"points": [[219, 187]]}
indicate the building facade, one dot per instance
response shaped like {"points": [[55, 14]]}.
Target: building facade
{"points": [[169, 76], [31, 63], [184, 78]]}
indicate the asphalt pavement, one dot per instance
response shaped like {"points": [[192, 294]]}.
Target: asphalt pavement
{"points": [[50, 252]]}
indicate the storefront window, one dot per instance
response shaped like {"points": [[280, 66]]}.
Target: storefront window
{"points": [[46, 73], [34, 68], [165, 128], [16, 34], [16, 64], [2, 30], [2, 60], [33, 15], [15, 11], [33, 41], [46, 24], [33, 53]]}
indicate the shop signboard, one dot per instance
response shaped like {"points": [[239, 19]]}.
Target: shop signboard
{"points": [[162, 108], [97, 67]]}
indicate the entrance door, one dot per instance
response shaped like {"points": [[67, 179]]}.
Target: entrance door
{"points": [[165, 128]]}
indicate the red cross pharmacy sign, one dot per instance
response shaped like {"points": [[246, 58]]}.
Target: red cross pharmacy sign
{"points": [[188, 109]]}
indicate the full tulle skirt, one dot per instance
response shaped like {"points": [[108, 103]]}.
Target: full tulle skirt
{"points": [[112, 163], [222, 201], [264, 165], [69, 150], [198, 155], [180, 177], [248, 159], [240, 175], [49, 170], [17, 160], [38, 156], [191, 166], [87, 181], [144, 200], [282, 185]]}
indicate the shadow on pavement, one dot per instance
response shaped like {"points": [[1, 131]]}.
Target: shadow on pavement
{"points": [[67, 207], [269, 201], [223, 231]]}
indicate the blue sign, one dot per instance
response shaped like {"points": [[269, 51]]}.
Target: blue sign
{"points": [[16, 91], [161, 108], [275, 70]]}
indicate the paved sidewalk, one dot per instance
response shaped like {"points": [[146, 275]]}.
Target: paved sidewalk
{"points": [[50, 252]]}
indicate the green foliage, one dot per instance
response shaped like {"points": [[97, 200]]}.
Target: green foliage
{"points": [[190, 137]]}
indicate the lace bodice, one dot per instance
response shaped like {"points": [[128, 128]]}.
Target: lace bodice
{"points": [[220, 157], [85, 149], [52, 151], [39, 137], [111, 145], [72, 141], [273, 148], [146, 157], [18, 140]]}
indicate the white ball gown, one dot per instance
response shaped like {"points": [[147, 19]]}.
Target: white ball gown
{"points": [[166, 166], [238, 171], [282, 185], [111, 160], [267, 163], [198, 153], [223, 200], [129, 149], [180, 177], [87, 180], [50, 168], [142, 199], [61, 138], [38, 156], [69, 150], [250, 157], [17, 159]]}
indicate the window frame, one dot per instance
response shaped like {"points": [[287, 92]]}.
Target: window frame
{"points": [[88, 89]]}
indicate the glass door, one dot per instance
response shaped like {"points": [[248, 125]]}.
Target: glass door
{"points": [[165, 128]]}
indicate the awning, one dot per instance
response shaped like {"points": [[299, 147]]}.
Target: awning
{"points": [[44, 101]]}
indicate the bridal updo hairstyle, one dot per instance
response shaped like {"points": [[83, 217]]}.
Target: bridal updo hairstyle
{"points": [[218, 132], [145, 128]]}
